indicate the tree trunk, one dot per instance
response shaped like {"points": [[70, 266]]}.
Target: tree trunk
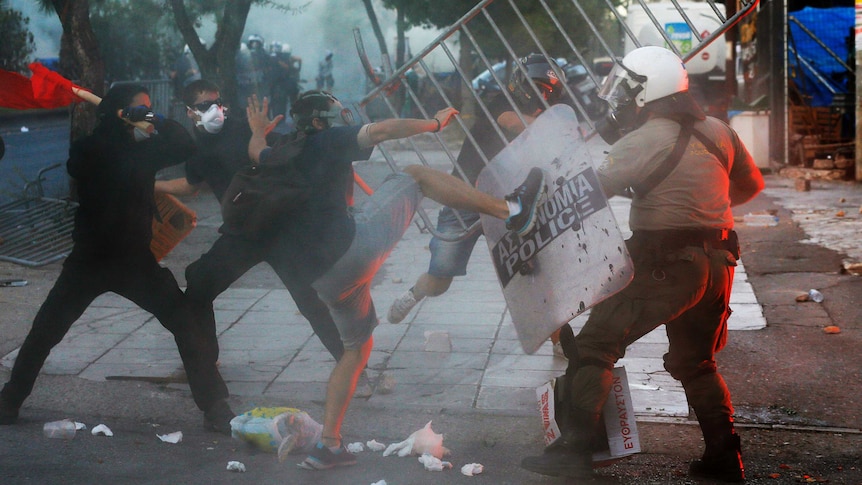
{"points": [[375, 25], [218, 63], [74, 16]]}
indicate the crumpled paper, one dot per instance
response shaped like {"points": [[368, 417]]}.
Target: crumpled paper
{"points": [[420, 442], [101, 429], [355, 447], [174, 437], [472, 469], [433, 464], [374, 445], [235, 466]]}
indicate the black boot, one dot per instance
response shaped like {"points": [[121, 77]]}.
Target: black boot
{"points": [[8, 411], [722, 459], [217, 418], [571, 455]]}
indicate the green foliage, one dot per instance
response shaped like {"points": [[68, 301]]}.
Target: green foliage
{"points": [[138, 39], [443, 13], [17, 41]]}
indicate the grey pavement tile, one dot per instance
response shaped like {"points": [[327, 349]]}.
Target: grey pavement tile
{"points": [[746, 316], [112, 300], [95, 313], [226, 318], [664, 403], [379, 359], [234, 303], [248, 372], [474, 345], [144, 339], [290, 317], [276, 301], [247, 388], [92, 339], [470, 307], [235, 340], [647, 349], [436, 375], [430, 396], [243, 293], [642, 365], [99, 372], [246, 356], [63, 352], [456, 361], [305, 370], [509, 398], [510, 346], [517, 363], [273, 332], [522, 378], [454, 317], [417, 331], [118, 325], [388, 336], [140, 356], [64, 367], [288, 391]]}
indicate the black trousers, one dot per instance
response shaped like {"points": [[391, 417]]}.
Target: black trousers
{"points": [[137, 276], [231, 256]]}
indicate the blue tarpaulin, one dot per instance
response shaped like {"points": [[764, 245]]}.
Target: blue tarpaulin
{"points": [[818, 72]]}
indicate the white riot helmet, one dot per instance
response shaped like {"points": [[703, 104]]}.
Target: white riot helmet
{"points": [[644, 75]]}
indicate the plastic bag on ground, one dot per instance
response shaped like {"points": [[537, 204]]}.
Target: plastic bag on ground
{"points": [[279, 430]]}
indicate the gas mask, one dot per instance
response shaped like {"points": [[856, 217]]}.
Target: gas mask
{"points": [[212, 120], [619, 122], [620, 90], [337, 115]]}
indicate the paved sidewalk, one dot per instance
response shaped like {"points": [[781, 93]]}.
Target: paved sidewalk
{"points": [[268, 349]]}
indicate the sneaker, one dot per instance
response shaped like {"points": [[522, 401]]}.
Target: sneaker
{"points": [[528, 195], [401, 306], [322, 458], [363, 385], [217, 418], [8, 412]]}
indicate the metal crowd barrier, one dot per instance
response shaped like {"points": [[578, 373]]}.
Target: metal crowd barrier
{"points": [[479, 33]]}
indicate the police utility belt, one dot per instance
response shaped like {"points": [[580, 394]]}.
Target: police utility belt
{"points": [[675, 239]]}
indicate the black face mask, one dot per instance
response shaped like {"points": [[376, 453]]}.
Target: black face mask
{"points": [[618, 123]]}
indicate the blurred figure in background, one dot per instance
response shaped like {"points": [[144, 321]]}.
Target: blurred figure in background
{"points": [[324, 73]]}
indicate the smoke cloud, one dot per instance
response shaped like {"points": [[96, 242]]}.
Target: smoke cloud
{"points": [[323, 25]]}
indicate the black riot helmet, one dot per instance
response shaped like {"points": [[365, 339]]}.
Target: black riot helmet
{"points": [[543, 75]]}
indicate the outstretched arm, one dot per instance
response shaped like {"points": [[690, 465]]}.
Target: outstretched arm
{"points": [[393, 129]]}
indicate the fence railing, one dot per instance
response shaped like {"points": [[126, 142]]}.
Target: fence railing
{"points": [[585, 36]]}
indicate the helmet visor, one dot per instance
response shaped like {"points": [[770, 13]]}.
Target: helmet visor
{"points": [[614, 90]]}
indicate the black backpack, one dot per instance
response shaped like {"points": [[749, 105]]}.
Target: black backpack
{"points": [[262, 195]]}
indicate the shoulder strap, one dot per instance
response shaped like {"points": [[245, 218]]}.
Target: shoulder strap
{"points": [[712, 148], [662, 171]]}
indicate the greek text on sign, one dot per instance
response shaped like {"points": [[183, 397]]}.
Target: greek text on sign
{"points": [[573, 201]]}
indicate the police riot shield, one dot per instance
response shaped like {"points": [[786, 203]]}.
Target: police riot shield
{"points": [[575, 256]]}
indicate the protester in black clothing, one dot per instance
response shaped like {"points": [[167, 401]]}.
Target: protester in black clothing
{"points": [[222, 151], [115, 169]]}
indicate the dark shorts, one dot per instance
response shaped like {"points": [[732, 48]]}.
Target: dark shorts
{"points": [[450, 258], [380, 223]]}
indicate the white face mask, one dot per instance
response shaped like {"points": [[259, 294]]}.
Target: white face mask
{"points": [[140, 135], [212, 120]]}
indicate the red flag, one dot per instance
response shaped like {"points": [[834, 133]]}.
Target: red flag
{"points": [[46, 89]]}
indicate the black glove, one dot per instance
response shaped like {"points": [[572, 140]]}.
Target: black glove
{"points": [[138, 113]]}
